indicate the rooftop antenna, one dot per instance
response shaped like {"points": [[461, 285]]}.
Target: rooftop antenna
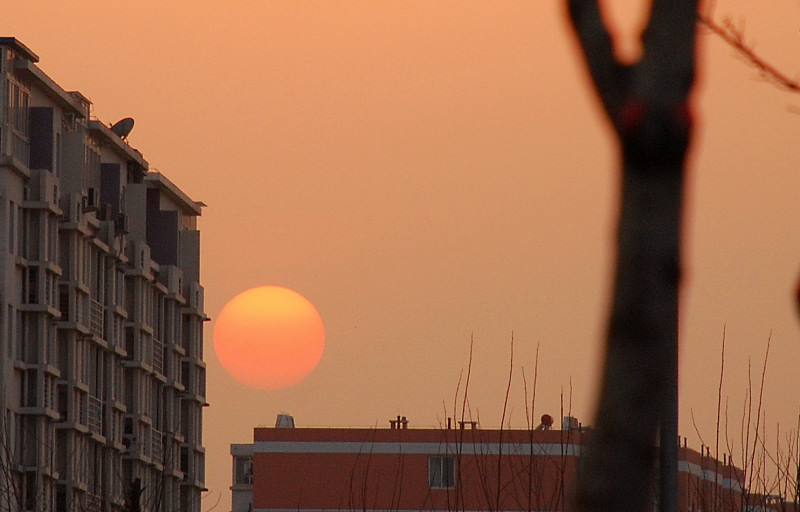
{"points": [[123, 127]]}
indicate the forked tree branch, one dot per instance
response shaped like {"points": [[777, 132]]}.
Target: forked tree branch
{"points": [[647, 106]]}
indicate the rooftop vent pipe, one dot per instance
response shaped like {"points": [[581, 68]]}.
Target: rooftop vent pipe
{"points": [[399, 422], [284, 421]]}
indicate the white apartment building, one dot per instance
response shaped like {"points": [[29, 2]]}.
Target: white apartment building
{"points": [[101, 312]]}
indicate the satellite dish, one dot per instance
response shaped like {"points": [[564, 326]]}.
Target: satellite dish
{"points": [[123, 127]]}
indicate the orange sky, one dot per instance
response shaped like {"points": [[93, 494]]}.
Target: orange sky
{"points": [[425, 172]]}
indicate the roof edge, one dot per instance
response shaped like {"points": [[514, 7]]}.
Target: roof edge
{"points": [[19, 47], [163, 183], [120, 146]]}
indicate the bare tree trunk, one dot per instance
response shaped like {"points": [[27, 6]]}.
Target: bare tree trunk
{"points": [[647, 104]]}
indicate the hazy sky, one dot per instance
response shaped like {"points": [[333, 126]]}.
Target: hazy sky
{"points": [[430, 171]]}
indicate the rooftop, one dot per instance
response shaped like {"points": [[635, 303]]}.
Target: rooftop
{"points": [[17, 46]]}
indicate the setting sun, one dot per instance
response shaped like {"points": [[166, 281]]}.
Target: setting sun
{"points": [[269, 337]]}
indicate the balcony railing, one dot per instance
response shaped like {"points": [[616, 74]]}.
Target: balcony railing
{"points": [[20, 146], [95, 415], [96, 318], [158, 355], [157, 446]]}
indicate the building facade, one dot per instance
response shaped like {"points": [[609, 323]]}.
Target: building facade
{"points": [[447, 469], [101, 311]]}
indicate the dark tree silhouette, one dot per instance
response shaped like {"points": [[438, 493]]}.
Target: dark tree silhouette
{"points": [[647, 104], [134, 498]]}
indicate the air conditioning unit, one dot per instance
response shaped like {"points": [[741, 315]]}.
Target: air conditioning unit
{"points": [[130, 442], [122, 223], [91, 200]]}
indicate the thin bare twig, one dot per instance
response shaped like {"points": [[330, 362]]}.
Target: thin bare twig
{"points": [[502, 422], [719, 406], [734, 37]]}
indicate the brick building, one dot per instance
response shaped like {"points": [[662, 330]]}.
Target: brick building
{"points": [[460, 469]]}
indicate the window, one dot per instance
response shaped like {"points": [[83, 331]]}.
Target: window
{"points": [[98, 275], [52, 234], [57, 166], [29, 389], [243, 470], [62, 401], [10, 330], [12, 226], [32, 286], [185, 461], [30, 490], [441, 472], [61, 497]]}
